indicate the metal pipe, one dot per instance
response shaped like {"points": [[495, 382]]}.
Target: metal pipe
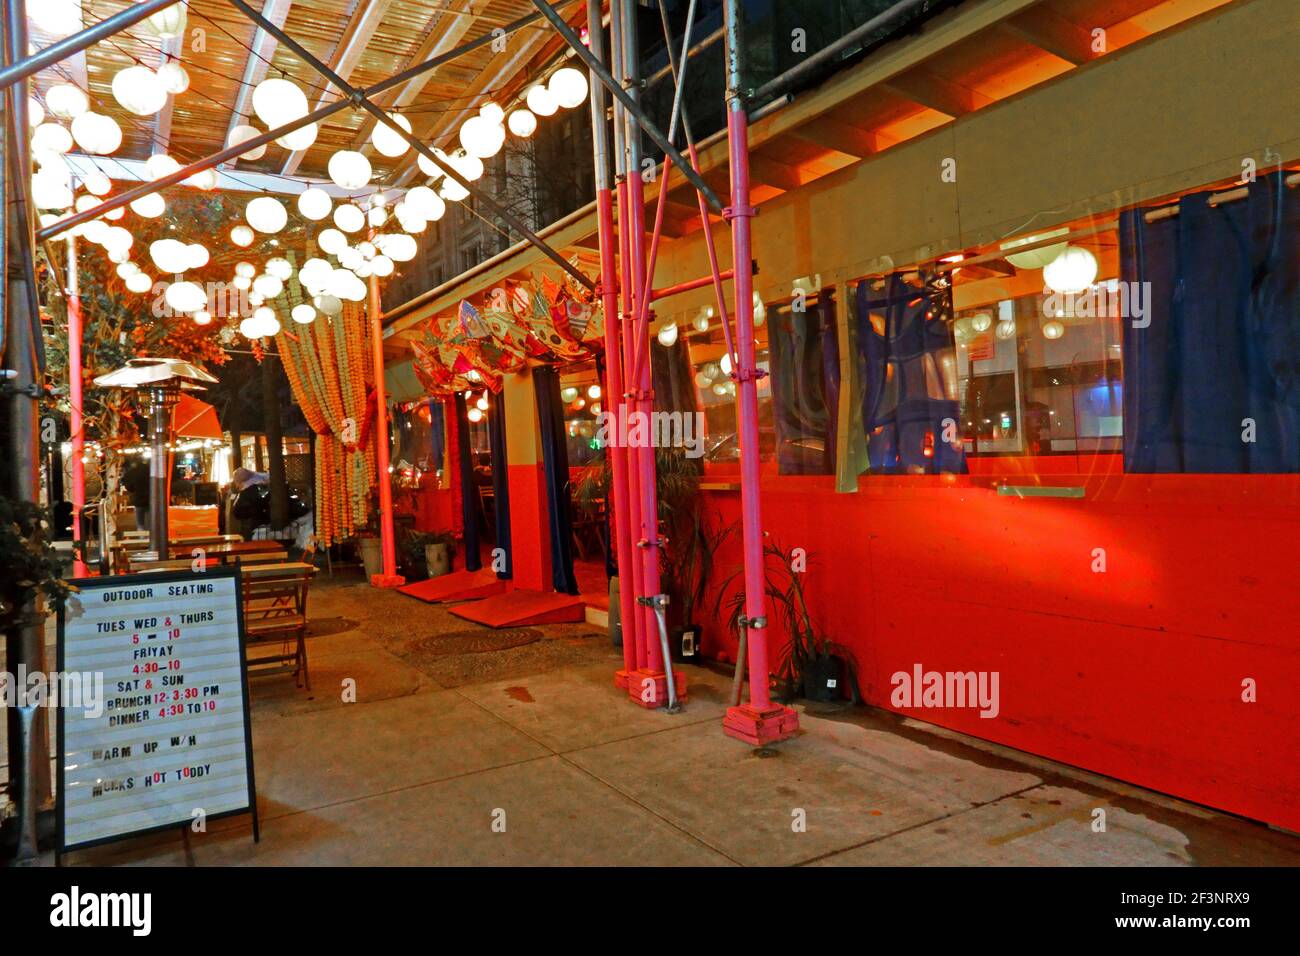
{"points": [[78, 437], [161, 402], [263, 139], [613, 360], [808, 67], [21, 69], [704, 44], [690, 285], [738, 677], [744, 371], [28, 853], [20, 178], [622, 95], [358, 98], [660, 605], [387, 539]]}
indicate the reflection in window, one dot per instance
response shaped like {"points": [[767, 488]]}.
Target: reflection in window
{"points": [[715, 392], [805, 369]]}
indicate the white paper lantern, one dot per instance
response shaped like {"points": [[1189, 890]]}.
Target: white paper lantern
{"points": [[242, 283], [386, 140], [35, 112], [382, 266], [314, 272], [492, 112], [350, 259], [568, 86], [95, 231], [400, 248], [139, 282], [1006, 329], [1053, 329], [349, 169], [168, 22], [241, 236], [280, 268], [185, 296], [332, 241], [118, 238], [1072, 271], [96, 133], [150, 206], [267, 286], [66, 101], [175, 79], [668, 335], [349, 218], [204, 179], [202, 317], [303, 314], [59, 18], [541, 101], [452, 191], [159, 165], [315, 203], [169, 255], [51, 138], [299, 139], [981, 321], [250, 328], [266, 214], [425, 203], [242, 134], [255, 298], [1035, 258], [86, 202], [127, 269], [522, 123], [278, 102], [267, 321], [117, 213], [245, 269], [376, 216], [469, 167], [328, 304], [428, 166], [481, 137], [137, 89], [196, 255]]}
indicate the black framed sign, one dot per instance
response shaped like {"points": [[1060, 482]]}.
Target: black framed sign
{"points": [[169, 740]]}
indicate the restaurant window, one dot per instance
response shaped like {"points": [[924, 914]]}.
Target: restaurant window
{"points": [[583, 401], [805, 370], [715, 392]]}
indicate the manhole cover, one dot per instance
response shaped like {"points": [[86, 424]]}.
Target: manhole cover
{"points": [[475, 642]]}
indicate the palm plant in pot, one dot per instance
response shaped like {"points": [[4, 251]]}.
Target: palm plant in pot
{"points": [[810, 663]]}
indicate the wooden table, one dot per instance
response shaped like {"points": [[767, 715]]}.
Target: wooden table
{"points": [[227, 550]]}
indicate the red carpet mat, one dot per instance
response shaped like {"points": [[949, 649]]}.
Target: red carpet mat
{"points": [[517, 608], [457, 586]]}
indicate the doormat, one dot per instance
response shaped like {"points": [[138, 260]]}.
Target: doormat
{"points": [[473, 642]]}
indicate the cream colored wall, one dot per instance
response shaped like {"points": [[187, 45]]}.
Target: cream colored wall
{"points": [[1172, 113]]}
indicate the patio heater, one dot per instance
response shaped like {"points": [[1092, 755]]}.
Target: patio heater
{"points": [[160, 382]]}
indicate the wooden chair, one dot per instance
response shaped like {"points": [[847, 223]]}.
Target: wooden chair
{"points": [[275, 608], [309, 553]]}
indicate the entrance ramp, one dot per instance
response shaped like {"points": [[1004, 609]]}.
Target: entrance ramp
{"points": [[456, 586], [521, 607]]}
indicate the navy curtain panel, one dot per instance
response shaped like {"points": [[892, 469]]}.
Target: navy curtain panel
{"points": [[805, 357], [1219, 361], [468, 489], [437, 435], [906, 364], [555, 467], [496, 417]]}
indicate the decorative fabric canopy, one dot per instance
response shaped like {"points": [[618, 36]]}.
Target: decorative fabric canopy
{"points": [[192, 418]]}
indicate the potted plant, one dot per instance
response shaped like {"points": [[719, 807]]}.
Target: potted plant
{"points": [[810, 663], [687, 566], [439, 549], [32, 566]]}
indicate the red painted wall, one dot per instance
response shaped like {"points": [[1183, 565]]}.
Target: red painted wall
{"points": [[1135, 673], [530, 538]]}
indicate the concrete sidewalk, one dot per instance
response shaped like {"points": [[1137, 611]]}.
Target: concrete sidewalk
{"points": [[529, 756]]}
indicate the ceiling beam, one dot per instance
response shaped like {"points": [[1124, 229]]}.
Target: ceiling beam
{"points": [[360, 31], [446, 29], [936, 92], [255, 66], [1046, 29], [134, 171], [773, 172], [829, 132]]}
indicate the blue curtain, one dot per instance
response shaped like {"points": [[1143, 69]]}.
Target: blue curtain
{"points": [[555, 466], [1219, 361], [496, 417], [468, 488], [906, 359], [805, 385]]}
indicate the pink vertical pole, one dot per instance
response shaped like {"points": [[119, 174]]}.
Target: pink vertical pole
{"points": [[389, 578], [761, 721], [74, 398], [613, 359]]}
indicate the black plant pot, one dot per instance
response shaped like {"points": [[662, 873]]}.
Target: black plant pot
{"points": [[684, 644], [823, 678]]}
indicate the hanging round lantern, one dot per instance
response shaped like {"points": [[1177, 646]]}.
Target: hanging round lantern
{"points": [[314, 203], [241, 236], [303, 314], [568, 86], [400, 248], [266, 321], [96, 133], [118, 238], [522, 123], [299, 139], [245, 269], [481, 137], [115, 214], [492, 113], [349, 169], [1053, 329], [205, 179], [35, 112], [425, 203], [1035, 258], [328, 304], [266, 214], [376, 216], [386, 140], [150, 206], [267, 286], [159, 165], [428, 166], [95, 231], [541, 101], [50, 192], [175, 79], [137, 89], [474, 415], [278, 102], [668, 335], [332, 241], [280, 268], [242, 283], [250, 328], [196, 255], [981, 322], [59, 18], [469, 167], [139, 282], [1072, 271], [169, 255], [97, 183], [242, 134], [66, 101], [127, 269], [202, 317], [185, 296], [168, 22], [51, 138], [314, 274], [86, 202], [349, 218], [1006, 329], [382, 266]]}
